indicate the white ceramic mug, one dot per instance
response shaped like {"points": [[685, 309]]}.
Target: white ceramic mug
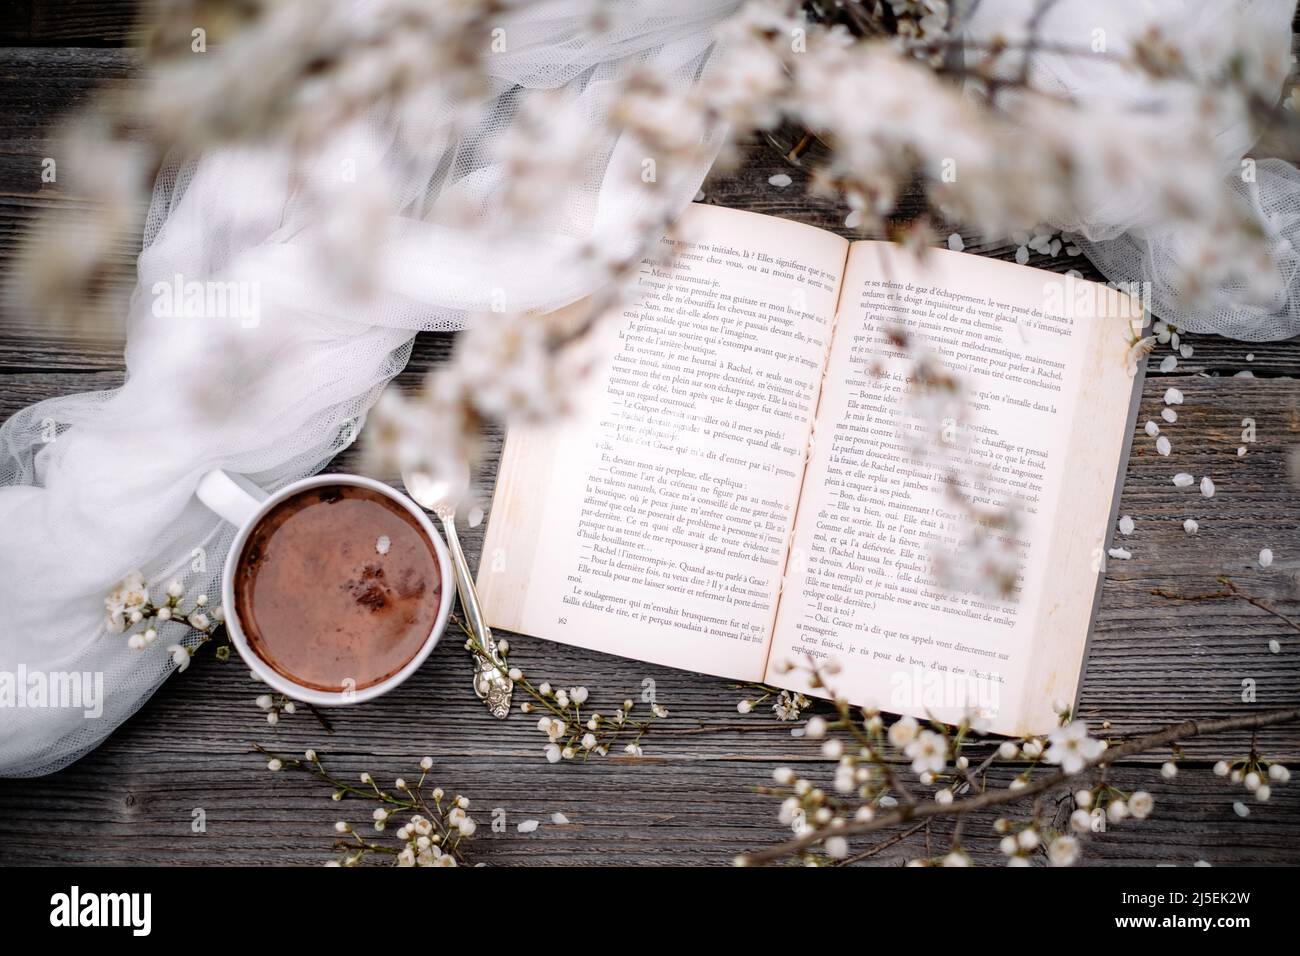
{"points": [[243, 504]]}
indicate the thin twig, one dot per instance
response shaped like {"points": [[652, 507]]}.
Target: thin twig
{"points": [[1232, 592]]}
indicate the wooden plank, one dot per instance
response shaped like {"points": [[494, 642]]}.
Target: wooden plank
{"points": [[84, 23]]}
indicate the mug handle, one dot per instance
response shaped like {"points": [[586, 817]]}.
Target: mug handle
{"points": [[233, 497]]}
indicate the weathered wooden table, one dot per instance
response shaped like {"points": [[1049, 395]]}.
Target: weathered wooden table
{"points": [[690, 799]]}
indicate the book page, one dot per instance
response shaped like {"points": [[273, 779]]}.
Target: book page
{"points": [[1041, 361], [655, 523]]}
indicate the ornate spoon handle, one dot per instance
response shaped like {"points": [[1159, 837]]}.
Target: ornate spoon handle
{"points": [[491, 683]]}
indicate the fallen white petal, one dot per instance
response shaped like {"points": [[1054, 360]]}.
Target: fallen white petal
{"points": [[955, 243], [1207, 487], [1183, 480], [1265, 557], [1169, 363], [1191, 526], [1169, 415], [1126, 525], [1122, 554], [559, 818], [780, 180], [528, 826], [1162, 445], [1152, 429], [1173, 396]]}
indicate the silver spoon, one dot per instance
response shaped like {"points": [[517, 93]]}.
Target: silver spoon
{"points": [[491, 683]]}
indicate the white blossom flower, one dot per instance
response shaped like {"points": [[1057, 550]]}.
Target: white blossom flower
{"points": [[552, 752], [1140, 805], [1278, 773], [929, 751], [1081, 821], [1169, 770], [1072, 748], [426, 763], [180, 656], [275, 763], [815, 729], [837, 848], [129, 596], [1063, 851], [903, 732]]}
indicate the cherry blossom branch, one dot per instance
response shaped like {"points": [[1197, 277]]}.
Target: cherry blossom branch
{"points": [[1185, 730]]}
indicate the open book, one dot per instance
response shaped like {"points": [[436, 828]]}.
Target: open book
{"points": [[740, 488]]}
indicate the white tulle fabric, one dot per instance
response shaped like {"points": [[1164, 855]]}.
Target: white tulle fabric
{"points": [[1122, 230], [114, 490]]}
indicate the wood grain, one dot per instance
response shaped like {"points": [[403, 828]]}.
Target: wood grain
{"points": [[691, 799]]}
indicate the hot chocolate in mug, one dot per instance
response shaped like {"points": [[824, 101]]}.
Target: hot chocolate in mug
{"points": [[336, 586]]}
